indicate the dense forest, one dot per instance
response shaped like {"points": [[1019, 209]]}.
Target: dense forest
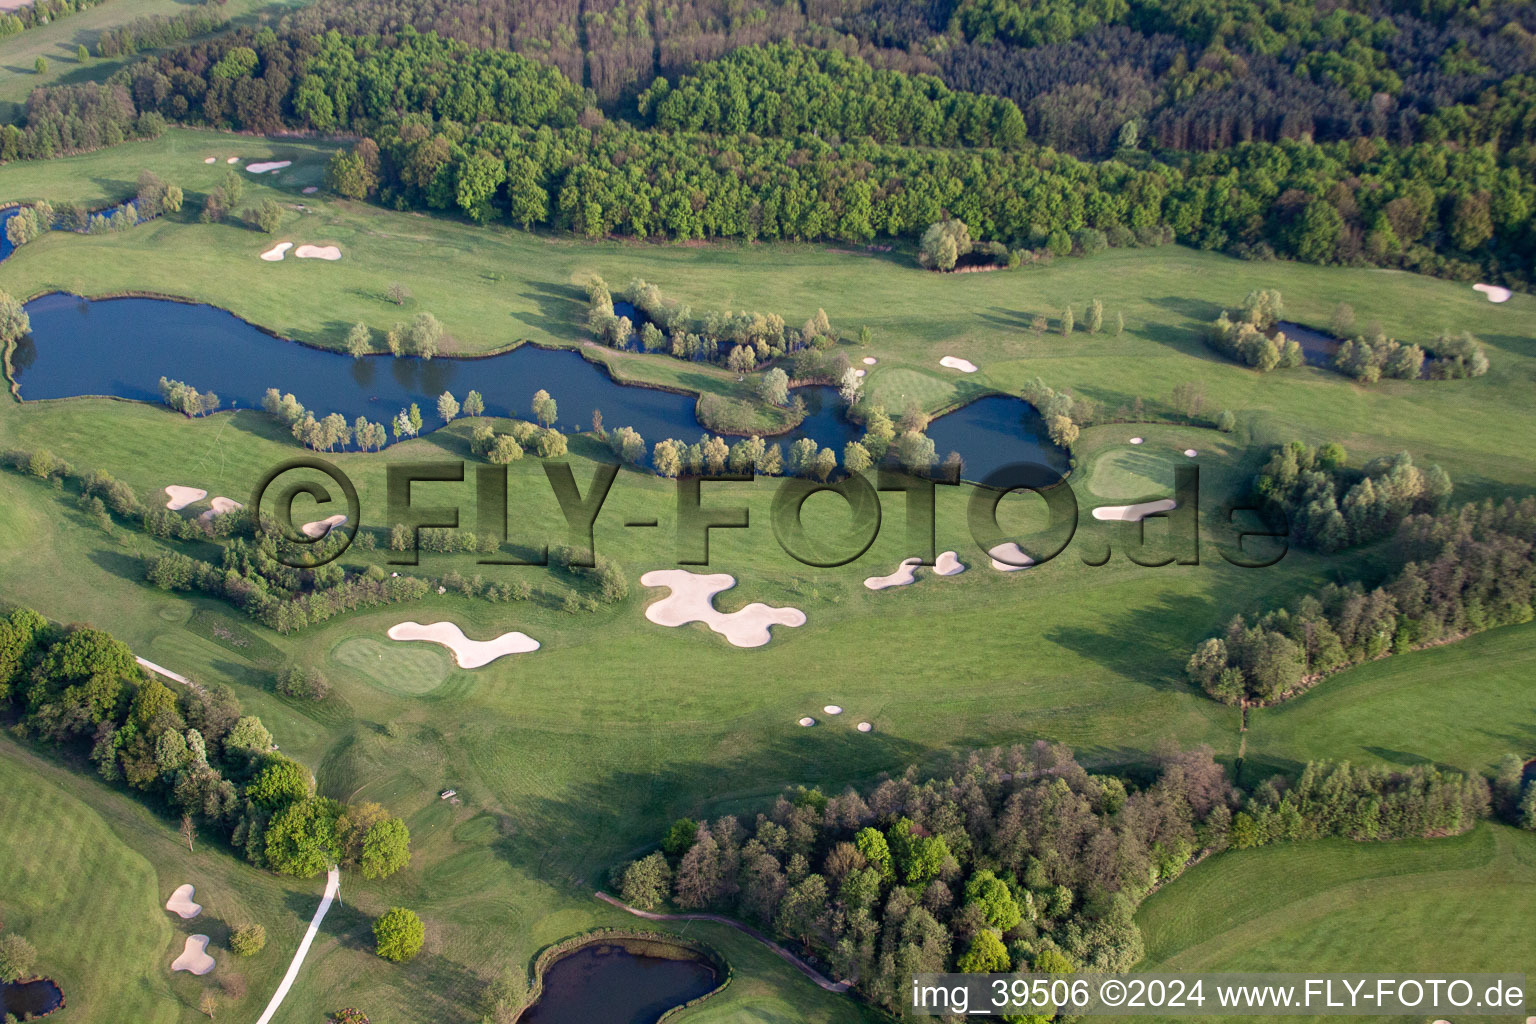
{"points": [[1184, 76], [191, 751], [1462, 572], [1365, 133], [1012, 859]]}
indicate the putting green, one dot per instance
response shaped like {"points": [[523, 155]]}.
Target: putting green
{"points": [[410, 669]]}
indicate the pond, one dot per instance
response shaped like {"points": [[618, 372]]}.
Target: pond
{"points": [[1528, 777], [6, 248], [1317, 348], [30, 999], [122, 347], [606, 982]]}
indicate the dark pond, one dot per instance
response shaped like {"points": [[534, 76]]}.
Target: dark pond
{"points": [[6, 247], [122, 347], [1317, 348], [608, 983], [1529, 775], [30, 998]]}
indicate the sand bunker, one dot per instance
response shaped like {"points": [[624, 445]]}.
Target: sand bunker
{"points": [[275, 254], [181, 497], [832, 709], [870, 360], [233, 160], [905, 574], [948, 564], [693, 600], [221, 506], [317, 252], [1135, 513], [319, 529], [1190, 452], [310, 190], [954, 363], [859, 373], [194, 956], [1493, 291], [806, 723], [181, 903], [270, 165], [866, 727], [211, 160], [468, 653], [1136, 440], [1016, 558]]}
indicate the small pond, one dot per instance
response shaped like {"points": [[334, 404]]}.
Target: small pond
{"points": [[606, 982], [1529, 775], [30, 998], [1317, 348], [122, 347], [6, 248]]}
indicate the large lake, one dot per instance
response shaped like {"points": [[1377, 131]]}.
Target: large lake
{"points": [[122, 347]]}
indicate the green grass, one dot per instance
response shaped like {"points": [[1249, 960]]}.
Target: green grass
{"points": [[1118, 470], [1465, 705], [408, 669], [570, 759], [1432, 906], [64, 865]]}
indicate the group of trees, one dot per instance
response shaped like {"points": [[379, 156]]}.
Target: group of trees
{"points": [[1462, 572], [186, 399], [28, 222], [192, 750], [1371, 355], [325, 433], [17, 957], [1329, 507], [159, 30], [249, 575], [742, 340], [1016, 859], [1254, 338]]}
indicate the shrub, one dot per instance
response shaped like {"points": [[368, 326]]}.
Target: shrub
{"points": [[16, 958], [399, 934], [248, 940], [303, 682]]}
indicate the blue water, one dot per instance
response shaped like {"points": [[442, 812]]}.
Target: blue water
{"points": [[122, 347], [29, 1000], [6, 248]]}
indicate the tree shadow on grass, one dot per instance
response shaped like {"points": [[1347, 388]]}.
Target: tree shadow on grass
{"points": [[119, 563], [560, 309], [572, 834], [1149, 645]]}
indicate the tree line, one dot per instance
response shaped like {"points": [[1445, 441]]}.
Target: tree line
{"points": [[1424, 207], [40, 12], [1462, 572], [1010, 859], [193, 751]]}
